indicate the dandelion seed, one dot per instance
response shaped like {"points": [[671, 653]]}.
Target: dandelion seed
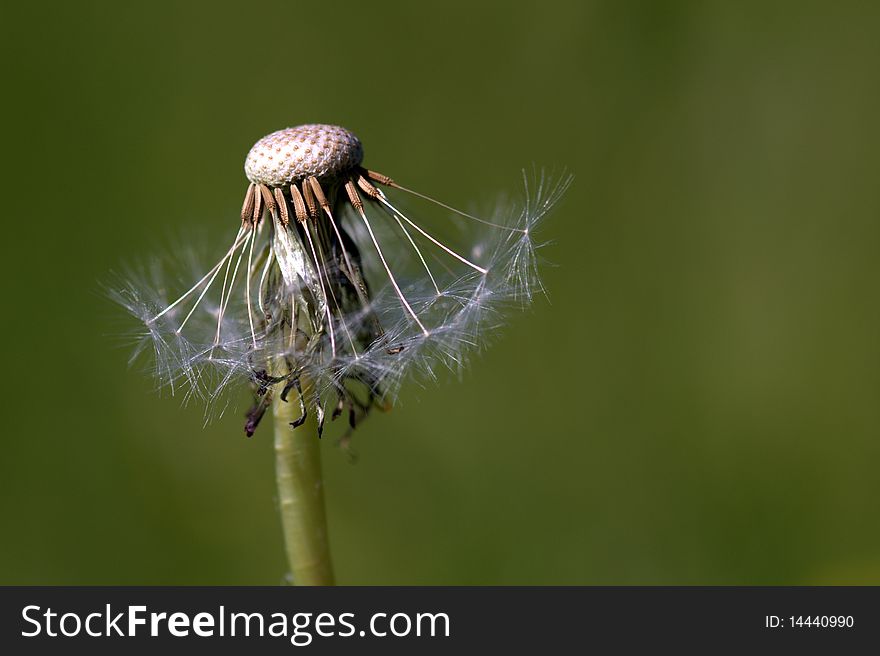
{"points": [[339, 302]]}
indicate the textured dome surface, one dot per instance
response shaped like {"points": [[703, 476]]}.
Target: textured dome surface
{"points": [[293, 154]]}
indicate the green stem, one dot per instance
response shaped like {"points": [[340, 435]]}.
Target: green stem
{"points": [[301, 497]]}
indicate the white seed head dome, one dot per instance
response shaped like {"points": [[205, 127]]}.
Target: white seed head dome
{"points": [[293, 154]]}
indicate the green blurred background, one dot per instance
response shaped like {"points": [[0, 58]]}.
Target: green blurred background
{"points": [[696, 404]]}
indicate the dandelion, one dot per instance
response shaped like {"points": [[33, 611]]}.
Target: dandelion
{"points": [[330, 294]]}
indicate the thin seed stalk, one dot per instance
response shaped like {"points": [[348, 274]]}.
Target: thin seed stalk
{"points": [[301, 496]]}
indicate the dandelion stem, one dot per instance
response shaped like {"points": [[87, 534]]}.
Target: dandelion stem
{"points": [[301, 497]]}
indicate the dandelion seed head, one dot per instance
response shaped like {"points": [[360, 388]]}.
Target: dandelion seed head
{"points": [[339, 285], [294, 154]]}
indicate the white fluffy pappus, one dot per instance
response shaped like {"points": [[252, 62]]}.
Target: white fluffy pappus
{"points": [[331, 294]]}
